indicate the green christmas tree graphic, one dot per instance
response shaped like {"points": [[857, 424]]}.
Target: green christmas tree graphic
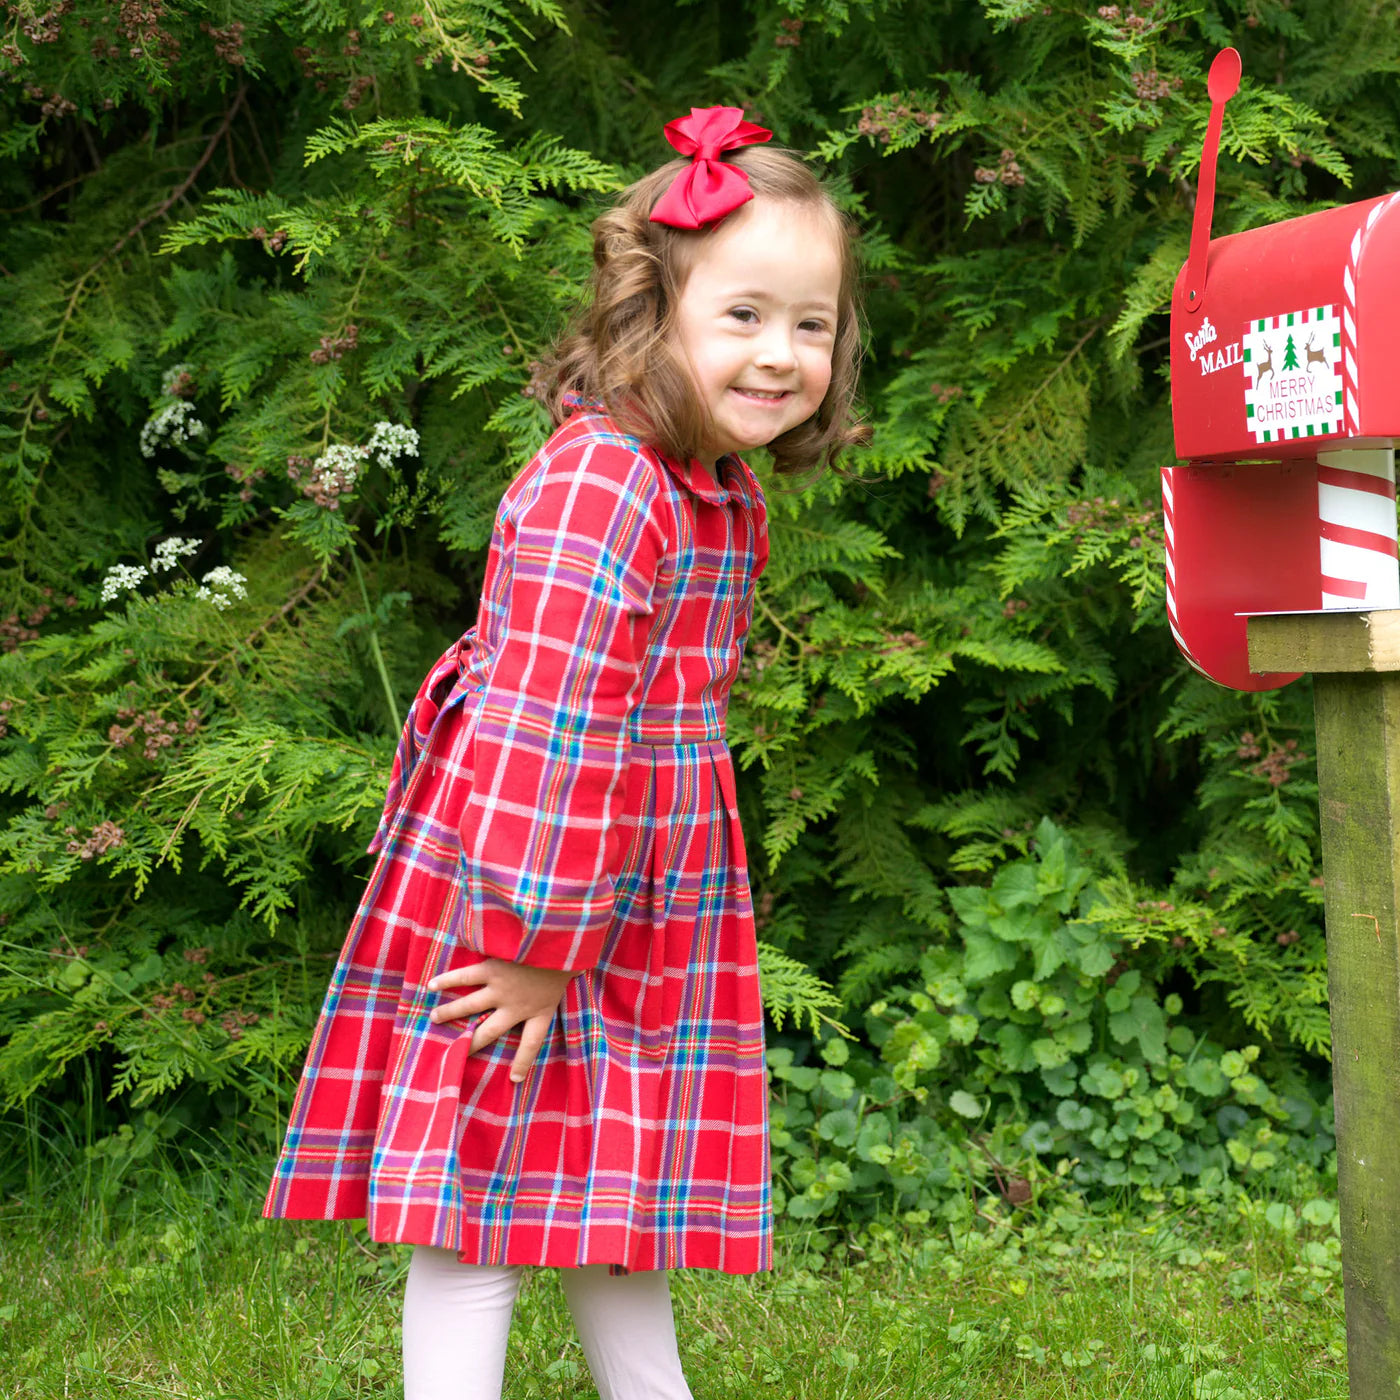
{"points": [[1290, 355]]}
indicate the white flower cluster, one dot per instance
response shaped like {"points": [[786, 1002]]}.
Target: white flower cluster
{"points": [[171, 377], [392, 440], [337, 469], [177, 421], [170, 552], [119, 578], [222, 586]]}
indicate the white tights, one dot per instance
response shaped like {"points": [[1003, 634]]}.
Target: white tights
{"points": [[456, 1318]]}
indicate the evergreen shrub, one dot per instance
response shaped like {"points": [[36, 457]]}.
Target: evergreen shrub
{"points": [[273, 289]]}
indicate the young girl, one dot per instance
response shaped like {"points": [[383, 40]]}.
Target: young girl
{"points": [[543, 1042]]}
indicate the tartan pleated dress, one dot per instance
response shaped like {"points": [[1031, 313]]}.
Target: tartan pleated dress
{"points": [[563, 796]]}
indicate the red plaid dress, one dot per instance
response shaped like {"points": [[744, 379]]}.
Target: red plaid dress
{"points": [[563, 796]]}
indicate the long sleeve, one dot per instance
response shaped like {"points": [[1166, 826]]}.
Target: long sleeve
{"points": [[581, 544]]}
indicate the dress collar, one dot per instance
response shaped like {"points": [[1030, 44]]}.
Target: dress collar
{"points": [[735, 479], [732, 484]]}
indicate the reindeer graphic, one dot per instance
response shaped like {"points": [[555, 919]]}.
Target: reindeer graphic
{"points": [[1314, 356], [1266, 363]]}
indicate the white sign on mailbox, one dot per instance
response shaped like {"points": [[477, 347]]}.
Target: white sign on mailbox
{"points": [[1293, 374]]}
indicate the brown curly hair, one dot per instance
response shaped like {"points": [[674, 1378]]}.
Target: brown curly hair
{"points": [[620, 350]]}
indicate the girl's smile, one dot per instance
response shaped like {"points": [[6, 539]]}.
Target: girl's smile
{"points": [[756, 321]]}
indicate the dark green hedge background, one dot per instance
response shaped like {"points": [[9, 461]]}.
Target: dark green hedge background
{"points": [[236, 240]]}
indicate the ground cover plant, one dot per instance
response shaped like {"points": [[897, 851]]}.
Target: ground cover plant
{"points": [[124, 1273], [1039, 909]]}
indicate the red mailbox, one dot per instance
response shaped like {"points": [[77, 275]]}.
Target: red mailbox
{"points": [[1285, 364]]}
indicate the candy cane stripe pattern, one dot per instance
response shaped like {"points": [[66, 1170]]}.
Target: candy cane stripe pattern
{"points": [[1356, 488], [1357, 528], [1349, 333], [1169, 532], [1349, 361]]}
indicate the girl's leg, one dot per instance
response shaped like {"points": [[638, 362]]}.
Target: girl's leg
{"points": [[628, 1332], [456, 1318]]}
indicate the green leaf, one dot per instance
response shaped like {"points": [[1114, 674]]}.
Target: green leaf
{"points": [[1049, 1053], [1142, 1021], [1038, 1138], [986, 956], [1061, 1079], [969, 903], [1180, 1040], [1074, 1115], [962, 1028], [1016, 1052], [1016, 886], [802, 1077], [1319, 1211], [148, 970], [1104, 1081], [874, 1141], [1094, 959], [961, 1102], [1075, 1036], [1205, 1077], [837, 1085], [1024, 995], [839, 1126]]}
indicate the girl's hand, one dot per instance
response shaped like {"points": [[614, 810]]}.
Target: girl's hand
{"points": [[514, 994]]}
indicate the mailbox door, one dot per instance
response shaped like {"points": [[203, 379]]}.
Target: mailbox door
{"points": [[1240, 539]]}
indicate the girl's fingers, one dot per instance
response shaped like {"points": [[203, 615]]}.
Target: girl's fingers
{"points": [[462, 976], [472, 1005], [490, 1030], [532, 1038]]}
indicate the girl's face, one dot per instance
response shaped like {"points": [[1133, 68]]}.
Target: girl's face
{"points": [[756, 320]]}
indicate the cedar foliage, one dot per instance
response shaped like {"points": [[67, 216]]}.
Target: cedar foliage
{"points": [[275, 286]]}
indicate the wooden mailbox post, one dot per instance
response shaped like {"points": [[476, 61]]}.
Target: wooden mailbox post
{"points": [[1355, 661], [1281, 561]]}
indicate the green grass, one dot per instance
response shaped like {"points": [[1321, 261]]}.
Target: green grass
{"points": [[119, 1277]]}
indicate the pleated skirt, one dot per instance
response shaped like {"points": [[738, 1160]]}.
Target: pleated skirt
{"points": [[640, 1137]]}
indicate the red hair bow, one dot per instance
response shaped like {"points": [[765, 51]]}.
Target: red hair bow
{"points": [[708, 188]]}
